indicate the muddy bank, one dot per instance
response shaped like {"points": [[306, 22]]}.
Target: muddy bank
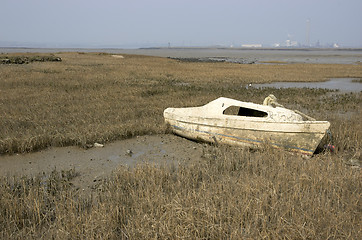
{"points": [[94, 164], [215, 59], [28, 59]]}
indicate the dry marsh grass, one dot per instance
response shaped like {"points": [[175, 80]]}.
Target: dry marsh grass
{"points": [[231, 193], [90, 97]]}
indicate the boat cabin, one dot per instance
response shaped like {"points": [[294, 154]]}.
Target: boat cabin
{"points": [[231, 107]]}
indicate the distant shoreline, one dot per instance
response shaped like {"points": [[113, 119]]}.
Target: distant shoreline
{"points": [[185, 48], [287, 55]]}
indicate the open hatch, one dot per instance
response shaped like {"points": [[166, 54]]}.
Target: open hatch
{"points": [[245, 112]]}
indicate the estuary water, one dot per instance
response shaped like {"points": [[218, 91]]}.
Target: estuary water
{"points": [[341, 84]]}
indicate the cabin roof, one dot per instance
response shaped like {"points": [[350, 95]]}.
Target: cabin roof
{"points": [[218, 106]]}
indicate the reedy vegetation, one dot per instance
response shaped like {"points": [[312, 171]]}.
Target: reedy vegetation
{"points": [[232, 193], [96, 97]]}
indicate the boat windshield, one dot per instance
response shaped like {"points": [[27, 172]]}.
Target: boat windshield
{"points": [[245, 112]]}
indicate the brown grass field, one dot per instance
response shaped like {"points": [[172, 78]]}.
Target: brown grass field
{"points": [[231, 194]]}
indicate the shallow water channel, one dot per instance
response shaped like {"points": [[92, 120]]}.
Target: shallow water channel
{"points": [[341, 84]]}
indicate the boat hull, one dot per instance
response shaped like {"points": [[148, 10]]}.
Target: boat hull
{"points": [[251, 125], [303, 137]]}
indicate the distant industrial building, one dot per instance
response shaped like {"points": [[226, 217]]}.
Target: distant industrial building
{"points": [[290, 43], [251, 45]]}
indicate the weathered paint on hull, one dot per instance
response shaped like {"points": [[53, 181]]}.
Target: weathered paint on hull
{"points": [[301, 142]]}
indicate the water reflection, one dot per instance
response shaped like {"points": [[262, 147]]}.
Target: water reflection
{"points": [[341, 84]]}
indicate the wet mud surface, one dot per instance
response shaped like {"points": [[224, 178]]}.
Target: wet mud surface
{"points": [[95, 164]]}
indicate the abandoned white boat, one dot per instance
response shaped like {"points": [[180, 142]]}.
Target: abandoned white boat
{"points": [[229, 121]]}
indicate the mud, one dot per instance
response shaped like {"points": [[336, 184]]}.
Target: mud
{"points": [[25, 60], [216, 59], [94, 164]]}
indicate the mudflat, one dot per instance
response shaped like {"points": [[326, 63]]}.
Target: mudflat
{"points": [[96, 163]]}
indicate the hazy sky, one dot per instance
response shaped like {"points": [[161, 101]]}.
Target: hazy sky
{"points": [[179, 22]]}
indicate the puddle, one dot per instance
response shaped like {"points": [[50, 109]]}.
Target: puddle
{"points": [[126, 159], [94, 164], [341, 84]]}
